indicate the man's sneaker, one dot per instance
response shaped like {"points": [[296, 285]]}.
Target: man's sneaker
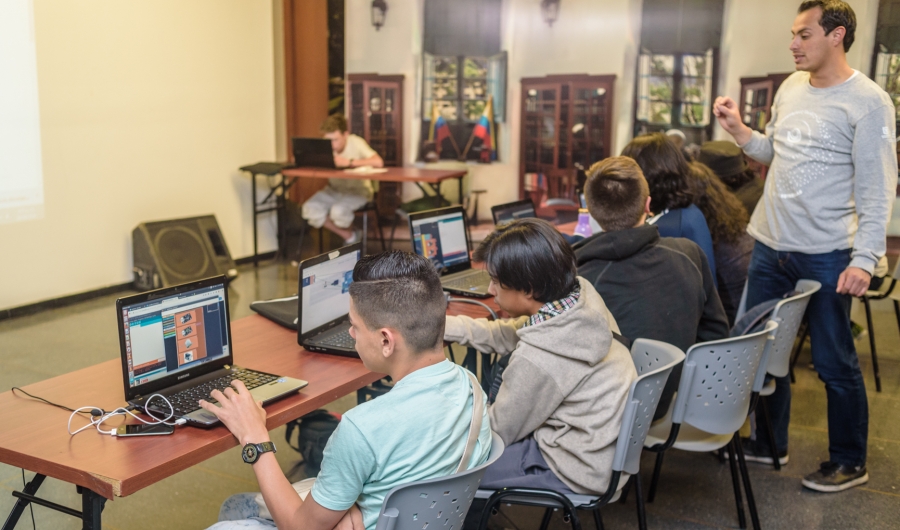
{"points": [[355, 237], [832, 477], [754, 453]]}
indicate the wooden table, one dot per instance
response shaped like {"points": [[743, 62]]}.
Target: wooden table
{"points": [[419, 176], [432, 177], [34, 434]]}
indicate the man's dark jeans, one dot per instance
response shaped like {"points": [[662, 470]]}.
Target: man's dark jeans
{"points": [[771, 275]]}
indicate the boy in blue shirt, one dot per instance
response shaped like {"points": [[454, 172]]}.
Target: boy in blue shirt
{"points": [[415, 432]]}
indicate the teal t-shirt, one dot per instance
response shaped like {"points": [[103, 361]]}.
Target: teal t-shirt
{"points": [[416, 431]]}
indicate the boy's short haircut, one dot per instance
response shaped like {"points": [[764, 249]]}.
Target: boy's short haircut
{"points": [[616, 192], [334, 123], [531, 256], [401, 291]]}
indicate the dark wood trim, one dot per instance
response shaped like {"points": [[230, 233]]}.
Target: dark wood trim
{"points": [[305, 77], [398, 78]]}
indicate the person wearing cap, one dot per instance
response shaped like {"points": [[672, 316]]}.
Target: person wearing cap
{"points": [[727, 161]]}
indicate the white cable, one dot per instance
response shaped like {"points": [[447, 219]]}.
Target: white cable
{"points": [[98, 421]]}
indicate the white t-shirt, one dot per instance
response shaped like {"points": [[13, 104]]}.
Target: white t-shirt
{"points": [[356, 148]]}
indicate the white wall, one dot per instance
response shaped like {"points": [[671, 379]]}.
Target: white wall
{"points": [[147, 110], [584, 39], [756, 35]]}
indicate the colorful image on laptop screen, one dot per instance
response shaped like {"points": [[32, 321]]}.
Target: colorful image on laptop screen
{"points": [[442, 239], [172, 334]]}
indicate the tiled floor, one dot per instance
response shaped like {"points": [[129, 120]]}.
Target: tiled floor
{"points": [[695, 489]]}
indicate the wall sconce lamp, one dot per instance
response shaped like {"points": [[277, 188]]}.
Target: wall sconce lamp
{"points": [[379, 9], [550, 11]]}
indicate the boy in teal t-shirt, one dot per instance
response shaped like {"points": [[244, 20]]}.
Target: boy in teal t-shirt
{"points": [[415, 432]]}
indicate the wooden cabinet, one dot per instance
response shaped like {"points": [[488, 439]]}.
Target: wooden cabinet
{"points": [[566, 124], [757, 95], [374, 110]]}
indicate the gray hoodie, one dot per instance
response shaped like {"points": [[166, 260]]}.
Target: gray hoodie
{"points": [[566, 383]]}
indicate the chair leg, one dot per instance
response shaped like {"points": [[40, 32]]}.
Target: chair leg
{"points": [[865, 300], [378, 228], [394, 230], [321, 240], [545, 523], [653, 481], [745, 476], [639, 501], [365, 233], [764, 408], [736, 484], [623, 498], [597, 519], [804, 334]]}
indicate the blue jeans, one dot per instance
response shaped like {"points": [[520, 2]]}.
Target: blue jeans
{"points": [[771, 275]]}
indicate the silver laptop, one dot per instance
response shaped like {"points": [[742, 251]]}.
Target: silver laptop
{"points": [[323, 312], [511, 211], [176, 342], [442, 236]]}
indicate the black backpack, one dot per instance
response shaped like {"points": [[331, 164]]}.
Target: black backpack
{"points": [[313, 431], [756, 317]]}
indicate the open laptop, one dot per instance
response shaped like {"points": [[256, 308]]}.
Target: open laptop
{"points": [[323, 313], [176, 342], [442, 236], [511, 211], [312, 152]]}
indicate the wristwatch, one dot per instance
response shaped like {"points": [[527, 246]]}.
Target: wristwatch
{"points": [[250, 453]]}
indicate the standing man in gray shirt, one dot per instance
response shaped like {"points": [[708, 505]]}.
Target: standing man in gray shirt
{"points": [[831, 147]]}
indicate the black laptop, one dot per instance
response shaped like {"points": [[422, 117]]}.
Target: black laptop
{"points": [[176, 342], [442, 236], [312, 152], [511, 211], [323, 307]]}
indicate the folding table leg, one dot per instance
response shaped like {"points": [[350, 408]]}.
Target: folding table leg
{"points": [[91, 508], [19, 508]]}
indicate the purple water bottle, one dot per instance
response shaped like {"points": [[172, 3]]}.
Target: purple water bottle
{"points": [[583, 228]]}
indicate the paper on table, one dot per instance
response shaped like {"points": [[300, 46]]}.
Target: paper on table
{"points": [[366, 169]]}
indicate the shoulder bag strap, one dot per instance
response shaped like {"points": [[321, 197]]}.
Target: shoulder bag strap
{"points": [[475, 426]]}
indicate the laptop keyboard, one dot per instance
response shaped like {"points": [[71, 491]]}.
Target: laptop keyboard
{"points": [[472, 282], [187, 401], [341, 339]]}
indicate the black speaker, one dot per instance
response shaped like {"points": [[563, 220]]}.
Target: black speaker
{"points": [[179, 251]]}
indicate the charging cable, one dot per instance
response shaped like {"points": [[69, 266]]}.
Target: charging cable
{"points": [[97, 420], [475, 302]]}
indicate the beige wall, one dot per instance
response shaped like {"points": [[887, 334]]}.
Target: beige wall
{"points": [[147, 110]]}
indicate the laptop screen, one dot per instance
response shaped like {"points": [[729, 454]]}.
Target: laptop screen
{"points": [[168, 335], [441, 238], [513, 211], [325, 291]]}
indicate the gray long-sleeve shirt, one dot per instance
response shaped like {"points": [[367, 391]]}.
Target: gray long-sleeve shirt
{"points": [[833, 169]]}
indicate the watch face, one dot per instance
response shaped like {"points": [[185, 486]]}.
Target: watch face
{"points": [[250, 453]]}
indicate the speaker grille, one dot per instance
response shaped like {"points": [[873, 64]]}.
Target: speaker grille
{"points": [[182, 253]]}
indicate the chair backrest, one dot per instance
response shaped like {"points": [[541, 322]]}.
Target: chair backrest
{"points": [[789, 314], [718, 379], [438, 503], [654, 361]]}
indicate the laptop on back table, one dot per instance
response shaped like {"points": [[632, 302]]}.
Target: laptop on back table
{"points": [[511, 211], [442, 236], [176, 342], [323, 313]]}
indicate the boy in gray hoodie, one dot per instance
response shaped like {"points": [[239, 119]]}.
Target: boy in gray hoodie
{"points": [[560, 405]]}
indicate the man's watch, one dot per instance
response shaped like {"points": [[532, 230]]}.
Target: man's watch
{"points": [[251, 452]]}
